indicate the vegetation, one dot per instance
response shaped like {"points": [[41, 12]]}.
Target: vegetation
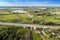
{"points": [[12, 33], [37, 36], [48, 16], [46, 19]]}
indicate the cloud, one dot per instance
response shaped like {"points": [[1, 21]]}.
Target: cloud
{"points": [[32, 3], [5, 3], [45, 3]]}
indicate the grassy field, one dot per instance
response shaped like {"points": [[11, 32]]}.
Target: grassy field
{"points": [[47, 20], [53, 18], [23, 18], [13, 18], [36, 36]]}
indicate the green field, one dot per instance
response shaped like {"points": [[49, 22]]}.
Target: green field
{"points": [[40, 17]]}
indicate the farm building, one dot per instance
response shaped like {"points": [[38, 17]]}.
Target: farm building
{"points": [[19, 11]]}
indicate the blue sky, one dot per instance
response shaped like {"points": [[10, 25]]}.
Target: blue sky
{"points": [[29, 2]]}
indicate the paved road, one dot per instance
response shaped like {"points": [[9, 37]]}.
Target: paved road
{"points": [[29, 25]]}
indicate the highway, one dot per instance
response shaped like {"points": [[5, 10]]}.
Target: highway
{"points": [[29, 25]]}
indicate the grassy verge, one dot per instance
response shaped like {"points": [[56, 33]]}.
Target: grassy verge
{"points": [[36, 36]]}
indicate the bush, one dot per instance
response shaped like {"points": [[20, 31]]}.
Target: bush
{"points": [[48, 23]]}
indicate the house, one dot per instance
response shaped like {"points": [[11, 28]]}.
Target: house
{"points": [[53, 34], [19, 11]]}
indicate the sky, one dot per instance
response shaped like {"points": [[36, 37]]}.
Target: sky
{"points": [[29, 2]]}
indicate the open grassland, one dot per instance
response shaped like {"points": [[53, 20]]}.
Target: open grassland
{"points": [[13, 17], [23, 18], [53, 18], [47, 20]]}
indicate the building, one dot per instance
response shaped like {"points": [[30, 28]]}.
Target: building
{"points": [[19, 11]]}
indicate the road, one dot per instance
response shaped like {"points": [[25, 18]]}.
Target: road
{"points": [[29, 25]]}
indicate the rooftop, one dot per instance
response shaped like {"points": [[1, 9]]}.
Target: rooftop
{"points": [[19, 11]]}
